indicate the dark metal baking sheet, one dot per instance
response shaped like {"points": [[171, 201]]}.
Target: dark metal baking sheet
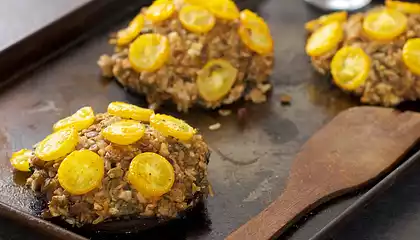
{"points": [[332, 229], [249, 164], [32, 30], [393, 215]]}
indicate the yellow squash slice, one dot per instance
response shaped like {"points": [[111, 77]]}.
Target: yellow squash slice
{"points": [[57, 144], [170, 126], [151, 174], [81, 172], [20, 160], [384, 24], [411, 55], [216, 79], [149, 52], [130, 111], [80, 120], [350, 67], [325, 39], [124, 132]]}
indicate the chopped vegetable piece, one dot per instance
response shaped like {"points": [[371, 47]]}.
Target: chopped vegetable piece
{"points": [[325, 39], [255, 33], [20, 160], [125, 36], [224, 9], [216, 79], [151, 174], [196, 19], [80, 120], [170, 126], [124, 132], [130, 111], [224, 112], [57, 144], [160, 10], [405, 7], [384, 24], [81, 172], [325, 19], [149, 52], [411, 55], [285, 99], [350, 67], [215, 126]]}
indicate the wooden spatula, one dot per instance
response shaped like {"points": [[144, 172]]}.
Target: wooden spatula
{"points": [[356, 146]]}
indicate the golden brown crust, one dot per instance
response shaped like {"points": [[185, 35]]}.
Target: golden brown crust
{"points": [[175, 81], [116, 197], [390, 82]]}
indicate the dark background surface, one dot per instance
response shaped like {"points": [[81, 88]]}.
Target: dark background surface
{"points": [[394, 215], [21, 18]]}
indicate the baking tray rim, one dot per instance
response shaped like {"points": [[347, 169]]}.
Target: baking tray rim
{"points": [[369, 196]]}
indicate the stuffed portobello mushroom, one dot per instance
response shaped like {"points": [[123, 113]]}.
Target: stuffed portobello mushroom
{"points": [[126, 162], [374, 55], [204, 53]]}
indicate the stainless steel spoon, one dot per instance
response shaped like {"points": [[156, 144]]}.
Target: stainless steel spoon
{"points": [[335, 5]]}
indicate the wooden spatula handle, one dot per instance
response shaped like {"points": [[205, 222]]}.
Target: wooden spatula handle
{"points": [[355, 147], [271, 221]]}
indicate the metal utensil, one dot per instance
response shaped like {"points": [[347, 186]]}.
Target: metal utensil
{"points": [[335, 5]]}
